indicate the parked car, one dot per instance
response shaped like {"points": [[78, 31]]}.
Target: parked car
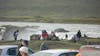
{"points": [[11, 50], [56, 52], [90, 50]]}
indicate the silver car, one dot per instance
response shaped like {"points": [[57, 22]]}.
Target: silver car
{"points": [[11, 50], [56, 52]]}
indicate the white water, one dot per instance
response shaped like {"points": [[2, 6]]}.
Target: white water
{"points": [[89, 29]]}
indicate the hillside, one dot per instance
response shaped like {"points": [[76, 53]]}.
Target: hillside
{"points": [[51, 9], [63, 44]]}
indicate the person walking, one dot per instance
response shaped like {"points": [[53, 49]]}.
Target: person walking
{"points": [[16, 34], [79, 34]]}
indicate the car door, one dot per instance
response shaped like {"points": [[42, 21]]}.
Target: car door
{"points": [[69, 54], [12, 51]]}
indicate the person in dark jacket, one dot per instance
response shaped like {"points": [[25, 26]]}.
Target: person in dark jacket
{"points": [[66, 36], [44, 46], [79, 34], [16, 34]]}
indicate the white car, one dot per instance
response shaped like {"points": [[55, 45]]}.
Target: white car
{"points": [[11, 50], [56, 52]]}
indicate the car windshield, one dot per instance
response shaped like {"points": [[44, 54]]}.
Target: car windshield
{"points": [[42, 54], [0, 51]]}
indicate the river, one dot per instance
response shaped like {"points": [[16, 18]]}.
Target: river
{"points": [[91, 30]]}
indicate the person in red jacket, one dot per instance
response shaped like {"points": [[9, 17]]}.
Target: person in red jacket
{"points": [[44, 34]]}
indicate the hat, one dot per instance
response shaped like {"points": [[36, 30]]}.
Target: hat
{"points": [[23, 49]]}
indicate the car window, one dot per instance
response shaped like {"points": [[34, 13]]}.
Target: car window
{"points": [[0, 51], [64, 54], [11, 51], [68, 54], [73, 53]]}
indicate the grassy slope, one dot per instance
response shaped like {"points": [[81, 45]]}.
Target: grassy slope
{"points": [[52, 44], [56, 44], [52, 20], [61, 11]]}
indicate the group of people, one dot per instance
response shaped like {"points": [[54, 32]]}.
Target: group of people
{"points": [[47, 36], [52, 36], [44, 35], [23, 48]]}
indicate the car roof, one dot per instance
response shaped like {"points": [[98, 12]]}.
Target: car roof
{"points": [[93, 46], [7, 46], [59, 50]]}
